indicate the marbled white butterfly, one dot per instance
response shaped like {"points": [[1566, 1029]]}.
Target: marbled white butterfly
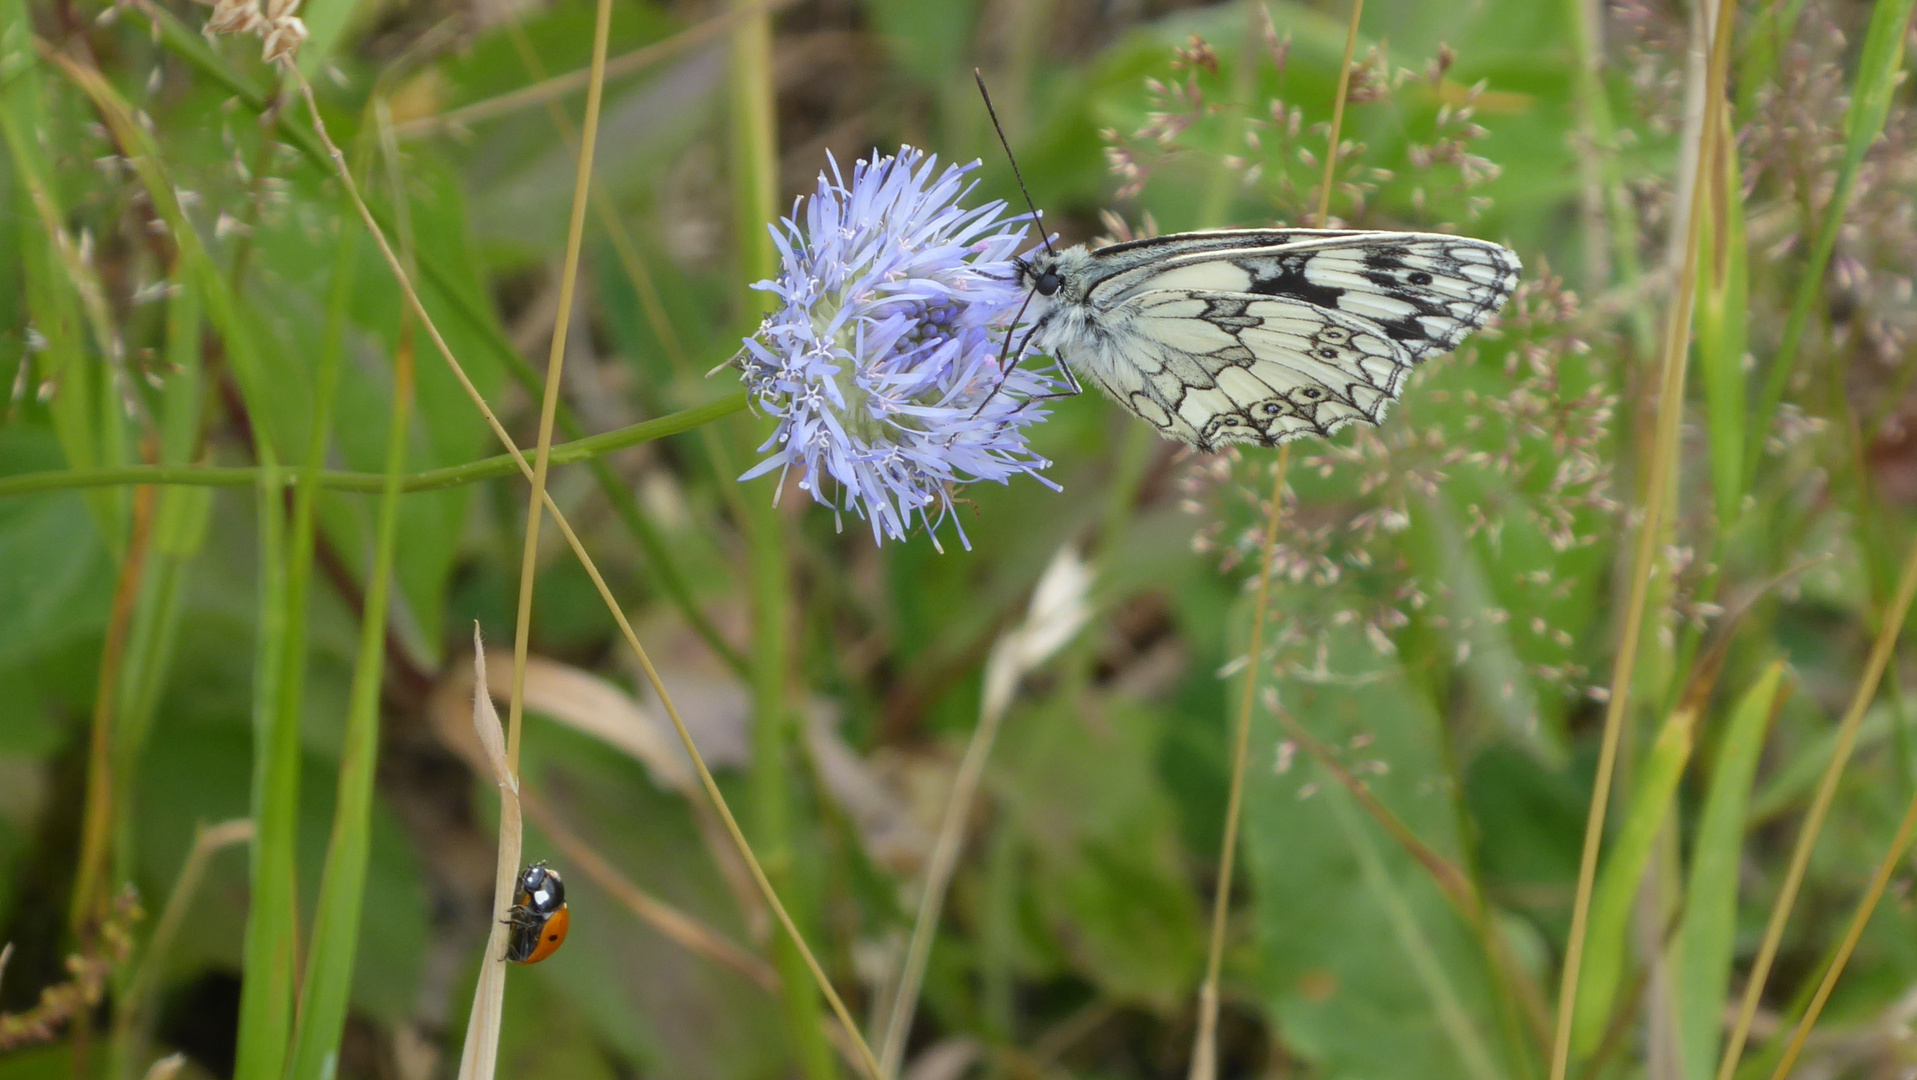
{"points": [[1261, 335]]}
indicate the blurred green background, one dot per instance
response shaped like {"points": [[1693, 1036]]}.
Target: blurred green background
{"points": [[1445, 603]]}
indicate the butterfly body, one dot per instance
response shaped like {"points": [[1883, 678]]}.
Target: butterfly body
{"points": [[1262, 335]]}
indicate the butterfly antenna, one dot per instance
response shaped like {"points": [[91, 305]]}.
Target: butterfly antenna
{"points": [[1002, 141]]}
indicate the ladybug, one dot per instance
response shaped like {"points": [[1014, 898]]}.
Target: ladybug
{"points": [[537, 921]]}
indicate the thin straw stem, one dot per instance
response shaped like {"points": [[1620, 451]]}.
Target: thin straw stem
{"points": [[1880, 654], [411, 296], [1645, 566], [1892, 858], [1204, 1057], [1338, 114], [506, 869]]}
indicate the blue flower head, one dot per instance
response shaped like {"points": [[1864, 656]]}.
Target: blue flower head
{"points": [[882, 362]]}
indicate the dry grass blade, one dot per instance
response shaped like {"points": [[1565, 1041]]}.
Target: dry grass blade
{"points": [[482, 1062], [1645, 566], [480, 1056]]}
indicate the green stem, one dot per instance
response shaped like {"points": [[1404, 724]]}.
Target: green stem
{"points": [[266, 993], [335, 942], [471, 472], [755, 171]]}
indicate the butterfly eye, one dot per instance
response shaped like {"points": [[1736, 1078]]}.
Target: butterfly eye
{"points": [[1420, 278], [1048, 283]]}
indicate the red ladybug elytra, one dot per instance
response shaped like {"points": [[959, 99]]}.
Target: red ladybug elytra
{"points": [[537, 921]]}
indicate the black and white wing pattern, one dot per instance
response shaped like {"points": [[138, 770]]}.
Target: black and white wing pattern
{"points": [[1262, 336]]}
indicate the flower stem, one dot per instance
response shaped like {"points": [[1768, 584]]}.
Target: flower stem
{"points": [[755, 172]]}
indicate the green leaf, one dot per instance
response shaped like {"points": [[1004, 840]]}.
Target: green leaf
{"points": [[1366, 965], [1706, 936], [1605, 949]]}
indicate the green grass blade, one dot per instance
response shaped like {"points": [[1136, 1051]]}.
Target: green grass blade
{"points": [[282, 745], [335, 941], [50, 296], [268, 962], [1707, 932], [755, 171], [1878, 68], [179, 527], [1605, 946]]}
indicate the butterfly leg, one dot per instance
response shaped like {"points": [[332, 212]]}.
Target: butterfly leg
{"points": [[1072, 388], [1010, 358]]}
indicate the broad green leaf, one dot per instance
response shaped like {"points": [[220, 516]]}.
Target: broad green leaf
{"points": [[1366, 965]]}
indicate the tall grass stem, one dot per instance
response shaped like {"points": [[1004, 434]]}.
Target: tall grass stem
{"points": [[1645, 565]]}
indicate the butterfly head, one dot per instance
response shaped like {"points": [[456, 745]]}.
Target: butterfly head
{"points": [[1053, 275]]}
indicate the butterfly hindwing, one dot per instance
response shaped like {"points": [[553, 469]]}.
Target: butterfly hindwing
{"points": [[1231, 367]]}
